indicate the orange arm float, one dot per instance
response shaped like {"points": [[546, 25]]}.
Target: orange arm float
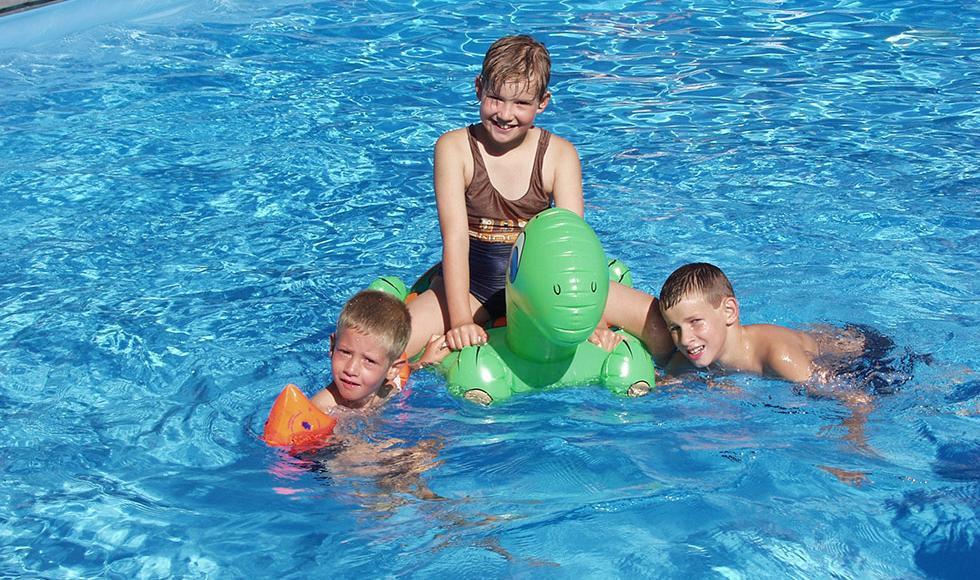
{"points": [[295, 421]]}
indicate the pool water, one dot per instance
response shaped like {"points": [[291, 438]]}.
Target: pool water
{"points": [[190, 191]]}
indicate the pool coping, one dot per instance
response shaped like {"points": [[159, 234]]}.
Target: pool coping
{"points": [[14, 6]]}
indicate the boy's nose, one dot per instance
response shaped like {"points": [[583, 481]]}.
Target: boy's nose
{"points": [[352, 367], [505, 110]]}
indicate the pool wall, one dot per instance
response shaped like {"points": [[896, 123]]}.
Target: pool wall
{"points": [[12, 6], [56, 20]]}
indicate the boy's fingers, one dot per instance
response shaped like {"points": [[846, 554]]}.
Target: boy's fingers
{"points": [[469, 335], [597, 336]]}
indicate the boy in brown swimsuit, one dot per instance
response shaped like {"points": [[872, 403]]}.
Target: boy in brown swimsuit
{"points": [[490, 178]]}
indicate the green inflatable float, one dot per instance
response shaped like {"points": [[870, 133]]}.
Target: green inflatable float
{"points": [[557, 285]]}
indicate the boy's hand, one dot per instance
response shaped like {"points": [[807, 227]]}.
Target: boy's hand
{"points": [[465, 335], [605, 339], [434, 352]]}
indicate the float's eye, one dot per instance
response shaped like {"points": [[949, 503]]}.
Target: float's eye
{"points": [[515, 257], [593, 287], [557, 289]]}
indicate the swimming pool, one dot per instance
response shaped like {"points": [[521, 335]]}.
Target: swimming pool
{"points": [[190, 194]]}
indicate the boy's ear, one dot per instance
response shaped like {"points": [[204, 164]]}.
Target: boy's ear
{"points": [[395, 369], [478, 83], [730, 306], [333, 340], [544, 101]]}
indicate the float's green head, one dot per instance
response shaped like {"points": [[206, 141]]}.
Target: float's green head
{"points": [[558, 279], [390, 284]]}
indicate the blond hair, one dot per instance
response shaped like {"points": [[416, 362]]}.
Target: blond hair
{"points": [[381, 316], [700, 278], [517, 59]]}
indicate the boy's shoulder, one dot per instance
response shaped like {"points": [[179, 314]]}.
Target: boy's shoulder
{"points": [[327, 398], [783, 351], [460, 134], [776, 337], [324, 399], [560, 141], [454, 142], [563, 148]]}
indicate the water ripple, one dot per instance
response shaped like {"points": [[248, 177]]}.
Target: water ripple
{"points": [[189, 198]]}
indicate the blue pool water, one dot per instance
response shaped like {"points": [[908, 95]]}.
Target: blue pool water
{"points": [[190, 191]]}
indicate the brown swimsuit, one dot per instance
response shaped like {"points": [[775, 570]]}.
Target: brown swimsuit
{"points": [[495, 222]]}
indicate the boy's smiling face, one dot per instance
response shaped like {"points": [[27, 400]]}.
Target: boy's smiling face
{"points": [[699, 329], [360, 366], [508, 111]]}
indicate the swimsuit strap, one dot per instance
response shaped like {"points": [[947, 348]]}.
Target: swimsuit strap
{"points": [[537, 178], [481, 179], [492, 217]]}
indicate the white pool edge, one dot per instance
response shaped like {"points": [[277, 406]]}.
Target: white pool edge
{"points": [[55, 20]]}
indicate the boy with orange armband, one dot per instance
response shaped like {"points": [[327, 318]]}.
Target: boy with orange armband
{"points": [[366, 352], [367, 367]]}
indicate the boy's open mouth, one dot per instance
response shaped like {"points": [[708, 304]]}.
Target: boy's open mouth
{"points": [[347, 385], [695, 352]]}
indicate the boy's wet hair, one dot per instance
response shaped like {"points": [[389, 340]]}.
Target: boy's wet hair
{"points": [[519, 59], [381, 316], [699, 278]]}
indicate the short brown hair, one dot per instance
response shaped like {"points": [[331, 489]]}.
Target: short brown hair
{"points": [[381, 316], [519, 59], [697, 278]]}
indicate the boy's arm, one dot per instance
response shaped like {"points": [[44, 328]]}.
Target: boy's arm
{"points": [[787, 359], [324, 400], [568, 176], [676, 366], [605, 339], [435, 350], [450, 186]]}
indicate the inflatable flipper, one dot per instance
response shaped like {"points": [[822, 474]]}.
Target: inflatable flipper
{"points": [[296, 422]]}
